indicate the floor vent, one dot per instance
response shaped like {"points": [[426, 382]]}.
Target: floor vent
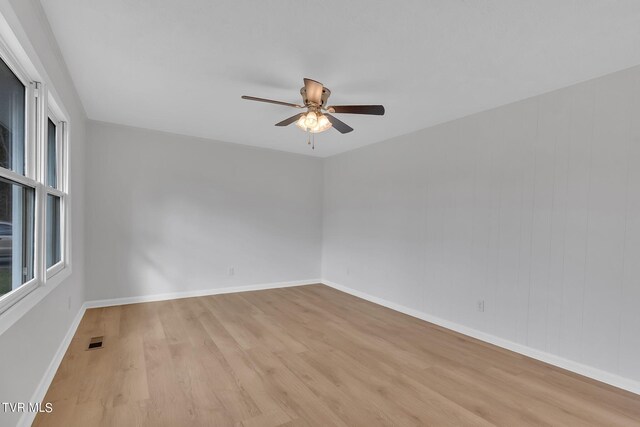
{"points": [[95, 343]]}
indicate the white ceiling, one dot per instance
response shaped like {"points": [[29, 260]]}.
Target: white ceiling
{"points": [[181, 66]]}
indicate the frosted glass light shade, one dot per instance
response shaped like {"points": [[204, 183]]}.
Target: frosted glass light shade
{"points": [[322, 123]]}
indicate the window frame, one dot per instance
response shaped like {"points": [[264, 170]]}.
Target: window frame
{"points": [[40, 105], [59, 189]]}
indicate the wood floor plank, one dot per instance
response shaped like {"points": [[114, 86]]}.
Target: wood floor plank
{"points": [[307, 356]]}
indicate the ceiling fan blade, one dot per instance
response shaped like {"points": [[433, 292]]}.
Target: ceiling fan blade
{"points": [[271, 101], [287, 122], [339, 125], [375, 110], [314, 91]]}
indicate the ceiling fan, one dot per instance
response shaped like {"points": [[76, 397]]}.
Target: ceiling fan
{"points": [[317, 118]]}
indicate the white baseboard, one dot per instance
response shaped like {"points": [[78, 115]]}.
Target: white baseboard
{"points": [[28, 417], [569, 365], [198, 293]]}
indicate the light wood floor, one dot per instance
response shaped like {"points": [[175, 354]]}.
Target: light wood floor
{"points": [[309, 355]]}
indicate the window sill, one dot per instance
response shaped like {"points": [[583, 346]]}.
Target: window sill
{"points": [[25, 304], [54, 270]]}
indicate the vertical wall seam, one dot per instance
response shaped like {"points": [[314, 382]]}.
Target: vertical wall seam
{"points": [[533, 209], [626, 221], [551, 240], [588, 225]]}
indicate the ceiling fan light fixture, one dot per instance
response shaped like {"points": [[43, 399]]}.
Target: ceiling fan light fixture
{"points": [[321, 123], [311, 120]]}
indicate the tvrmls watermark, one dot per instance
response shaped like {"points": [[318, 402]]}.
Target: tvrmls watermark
{"points": [[27, 407]]}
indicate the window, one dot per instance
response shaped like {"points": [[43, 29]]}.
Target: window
{"points": [[52, 225], [16, 235], [52, 151], [55, 195], [12, 120], [33, 192]]}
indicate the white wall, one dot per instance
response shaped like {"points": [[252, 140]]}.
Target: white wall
{"points": [[533, 207], [171, 213], [29, 345]]}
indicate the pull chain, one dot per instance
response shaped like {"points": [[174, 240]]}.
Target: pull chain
{"points": [[311, 139]]}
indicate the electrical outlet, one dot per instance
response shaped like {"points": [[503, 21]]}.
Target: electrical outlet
{"points": [[232, 271], [481, 306]]}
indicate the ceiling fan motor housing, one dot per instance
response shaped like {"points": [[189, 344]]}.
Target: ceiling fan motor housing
{"points": [[325, 96]]}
